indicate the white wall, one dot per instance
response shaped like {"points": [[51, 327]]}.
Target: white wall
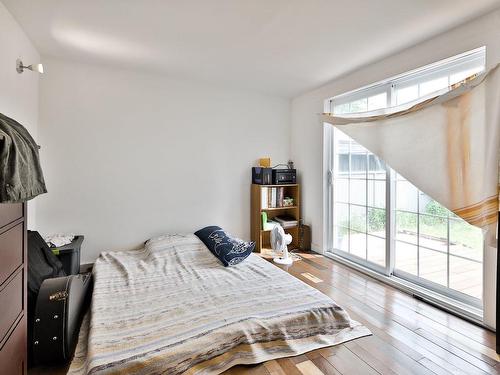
{"points": [[307, 130], [130, 155], [18, 92]]}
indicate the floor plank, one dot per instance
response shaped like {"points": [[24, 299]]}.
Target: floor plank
{"points": [[348, 363], [308, 368]]}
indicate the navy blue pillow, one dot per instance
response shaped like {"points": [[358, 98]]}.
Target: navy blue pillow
{"points": [[229, 250]]}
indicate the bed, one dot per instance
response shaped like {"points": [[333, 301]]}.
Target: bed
{"points": [[172, 308]]}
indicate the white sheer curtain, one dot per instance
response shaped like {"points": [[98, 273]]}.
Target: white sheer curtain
{"points": [[447, 146]]}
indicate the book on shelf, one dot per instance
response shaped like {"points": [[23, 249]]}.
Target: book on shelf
{"points": [[272, 197], [287, 221], [264, 202]]}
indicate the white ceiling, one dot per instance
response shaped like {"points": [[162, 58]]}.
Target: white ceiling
{"points": [[282, 47]]}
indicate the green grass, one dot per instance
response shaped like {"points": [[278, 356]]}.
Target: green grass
{"points": [[435, 227]]}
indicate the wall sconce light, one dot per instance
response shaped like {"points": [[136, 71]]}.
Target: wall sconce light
{"points": [[34, 67]]}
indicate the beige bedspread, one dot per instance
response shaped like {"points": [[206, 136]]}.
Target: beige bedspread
{"points": [[172, 308]]}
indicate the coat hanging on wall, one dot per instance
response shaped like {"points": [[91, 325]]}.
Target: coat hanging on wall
{"points": [[21, 176]]}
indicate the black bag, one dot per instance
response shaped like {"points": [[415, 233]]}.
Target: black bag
{"points": [[59, 311], [42, 264]]}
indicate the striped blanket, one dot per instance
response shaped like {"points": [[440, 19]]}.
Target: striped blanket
{"points": [[172, 308]]}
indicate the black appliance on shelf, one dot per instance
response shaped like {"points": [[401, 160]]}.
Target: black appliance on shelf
{"points": [[273, 176], [262, 176], [284, 176]]}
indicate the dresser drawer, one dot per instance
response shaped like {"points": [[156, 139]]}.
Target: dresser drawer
{"points": [[10, 212], [11, 251], [13, 353], [11, 303]]}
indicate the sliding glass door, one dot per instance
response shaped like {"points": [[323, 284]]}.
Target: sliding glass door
{"points": [[359, 191], [380, 220], [435, 247]]}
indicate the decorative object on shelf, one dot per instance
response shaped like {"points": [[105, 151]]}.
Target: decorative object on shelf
{"points": [[265, 162], [279, 242], [287, 201], [268, 224]]}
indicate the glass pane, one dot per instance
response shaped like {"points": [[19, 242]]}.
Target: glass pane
{"points": [[376, 222], [341, 159], [376, 193], [406, 196], [341, 239], [360, 105], [376, 250], [341, 214], [377, 101], [427, 205], [433, 86], [457, 77], [466, 276], [406, 257], [466, 240], [341, 190], [341, 109], [358, 161], [406, 94], [376, 168], [358, 218], [358, 244], [358, 192], [433, 232], [433, 266], [406, 226]]}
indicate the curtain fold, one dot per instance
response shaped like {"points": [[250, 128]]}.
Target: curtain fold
{"points": [[447, 145]]}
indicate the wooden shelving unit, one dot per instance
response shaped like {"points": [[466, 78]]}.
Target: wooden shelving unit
{"points": [[262, 237]]}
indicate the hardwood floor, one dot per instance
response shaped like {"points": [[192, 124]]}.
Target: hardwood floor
{"points": [[409, 336]]}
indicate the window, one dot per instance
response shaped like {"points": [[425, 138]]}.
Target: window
{"points": [[379, 219], [359, 199], [410, 86], [432, 244]]}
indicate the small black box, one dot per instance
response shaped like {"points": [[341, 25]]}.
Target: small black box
{"points": [[284, 176], [69, 255], [262, 176]]}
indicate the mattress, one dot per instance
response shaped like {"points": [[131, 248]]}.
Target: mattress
{"points": [[172, 308]]}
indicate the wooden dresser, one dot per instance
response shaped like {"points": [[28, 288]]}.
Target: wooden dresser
{"points": [[13, 292]]}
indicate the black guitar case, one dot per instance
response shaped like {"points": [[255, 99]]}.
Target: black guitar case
{"points": [[60, 307]]}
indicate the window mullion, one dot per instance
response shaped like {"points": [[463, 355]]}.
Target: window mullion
{"points": [[390, 222], [366, 202], [448, 250], [418, 234]]}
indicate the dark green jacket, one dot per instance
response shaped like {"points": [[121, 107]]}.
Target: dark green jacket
{"points": [[21, 177]]}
